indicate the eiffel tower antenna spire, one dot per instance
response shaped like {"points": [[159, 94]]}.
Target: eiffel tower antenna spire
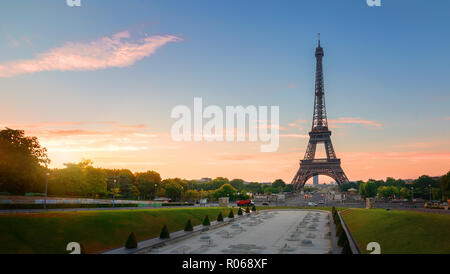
{"points": [[319, 134], [319, 38]]}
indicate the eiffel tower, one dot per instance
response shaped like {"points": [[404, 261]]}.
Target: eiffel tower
{"points": [[310, 166]]}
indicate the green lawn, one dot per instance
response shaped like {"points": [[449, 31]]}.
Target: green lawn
{"points": [[399, 231], [50, 232]]}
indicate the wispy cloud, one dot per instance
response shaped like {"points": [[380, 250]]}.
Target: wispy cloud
{"points": [[293, 135], [349, 120], [119, 50]]}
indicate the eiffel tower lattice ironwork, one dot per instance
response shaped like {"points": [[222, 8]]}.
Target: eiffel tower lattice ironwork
{"points": [[310, 166]]}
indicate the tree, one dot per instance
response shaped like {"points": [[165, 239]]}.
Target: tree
{"points": [[173, 188], [388, 191], [95, 182], [220, 217], [237, 184], [206, 221], [445, 186], [404, 193], [23, 163], [146, 182], [80, 179], [226, 190], [288, 188], [270, 190], [192, 195], [188, 226], [370, 189], [125, 183], [278, 184], [240, 211], [254, 208], [131, 241], [243, 195], [231, 214], [362, 190], [164, 233]]}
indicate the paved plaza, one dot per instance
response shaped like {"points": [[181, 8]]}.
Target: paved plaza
{"points": [[268, 232]]}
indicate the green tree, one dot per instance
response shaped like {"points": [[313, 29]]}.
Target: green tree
{"points": [[146, 182], [164, 233], [220, 217], [278, 184], [445, 186], [80, 179], [131, 241], [226, 190], [362, 190], [370, 189], [23, 163], [188, 226], [173, 188], [95, 182], [237, 184], [206, 221]]}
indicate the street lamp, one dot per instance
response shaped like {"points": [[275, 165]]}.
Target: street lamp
{"points": [[412, 194], [156, 185], [46, 187], [114, 193]]}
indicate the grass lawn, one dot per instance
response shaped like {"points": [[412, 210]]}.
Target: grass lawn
{"points": [[400, 231], [50, 232]]}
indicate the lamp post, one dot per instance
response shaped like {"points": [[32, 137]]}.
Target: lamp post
{"points": [[46, 187], [412, 194], [156, 185], [114, 193]]}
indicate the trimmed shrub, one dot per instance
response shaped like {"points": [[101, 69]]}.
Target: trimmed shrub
{"points": [[342, 238], [339, 230], [240, 211], [247, 210], [206, 221], [83, 249], [231, 215], [254, 208], [346, 248], [220, 217], [131, 241], [164, 233], [188, 226]]}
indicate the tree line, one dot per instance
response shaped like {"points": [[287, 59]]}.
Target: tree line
{"points": [[421, 187], [24, 169]]}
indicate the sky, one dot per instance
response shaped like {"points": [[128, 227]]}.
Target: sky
{"points": [[99, 82]]}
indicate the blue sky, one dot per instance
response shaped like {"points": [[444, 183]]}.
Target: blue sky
{"points": [[388, 65]]}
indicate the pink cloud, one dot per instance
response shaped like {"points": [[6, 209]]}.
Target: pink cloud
{"points": [[337, 122], [301, 136], [119, 50]]}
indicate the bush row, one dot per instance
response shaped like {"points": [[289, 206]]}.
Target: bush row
{"points": [[165, 234], [343, 239]]}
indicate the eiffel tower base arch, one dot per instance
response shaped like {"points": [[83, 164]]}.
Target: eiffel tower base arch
{"points": [[328, 167]]}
